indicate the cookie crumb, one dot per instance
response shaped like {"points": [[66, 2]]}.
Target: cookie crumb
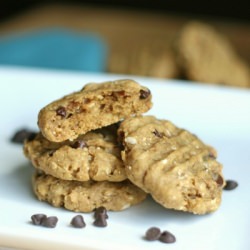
{"points": [[130, 140]]}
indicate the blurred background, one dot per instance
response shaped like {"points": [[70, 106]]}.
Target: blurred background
{"points": [[128, 37]]}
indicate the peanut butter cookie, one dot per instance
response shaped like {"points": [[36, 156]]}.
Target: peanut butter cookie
{"points": [[95, 106], [93, 156], [173, 165], [86, 196], [206, 56]]}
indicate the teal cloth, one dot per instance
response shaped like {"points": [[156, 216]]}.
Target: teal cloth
{"points": [[55, 48]]}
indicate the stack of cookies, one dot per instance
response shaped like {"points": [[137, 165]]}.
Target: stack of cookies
{"points": [[76, 152], [95, 148]]}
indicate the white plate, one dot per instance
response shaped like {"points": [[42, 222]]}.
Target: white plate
{"points": [[219, 116]]}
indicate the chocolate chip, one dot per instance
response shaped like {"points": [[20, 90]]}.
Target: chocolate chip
{"points": [[38, 218], [121, 92], [100, 211], [100, 221], [230, 185], [61, 111], [79, 144], [157, 133], [219, 180], [50, 221], [144, 94], [24, 134], [167, 237], [153, 233], [78, 221]]}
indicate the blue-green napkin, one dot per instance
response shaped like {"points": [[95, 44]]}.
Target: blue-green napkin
{"points": [[55, 48]]}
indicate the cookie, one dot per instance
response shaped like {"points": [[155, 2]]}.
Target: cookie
{"points": [[86, 196], [206, 56], [93, 156], [93, 107], [155, 59], [173, 165]]}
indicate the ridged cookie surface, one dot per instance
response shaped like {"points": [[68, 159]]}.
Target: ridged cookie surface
{"points": [[171, 164], [93, 156], [86, 196], [95, 106]]}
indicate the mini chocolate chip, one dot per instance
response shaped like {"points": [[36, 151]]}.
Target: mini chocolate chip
{"points": [[100, 221], [219, 180], [153, 233], [51, 152], [230, 185], [61, 111], [121, 135], [78, 221], [212, 155], [121, 93], [167, 237], [87, 100], [50, 221], [38, 218], [157, 133], [79, 144], [144, 93], [100, 211], [24, 134]]}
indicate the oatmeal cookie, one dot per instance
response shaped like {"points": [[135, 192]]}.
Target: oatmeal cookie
{"points": [[173, 165], [86, 196], [205, 55], [93, 107], [93, 156]]}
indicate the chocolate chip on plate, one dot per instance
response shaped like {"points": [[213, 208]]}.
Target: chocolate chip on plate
{"points": [[100, 211], [100, 221], [167, 237], [153, 233], [230, 185], [78, 221], [37, 218], [50, 221], [23, 134], [61, 111]]}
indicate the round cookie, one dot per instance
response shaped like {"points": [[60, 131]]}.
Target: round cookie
{"points": [[207, 56], [86, 196], [93, 156], [95, 106], [173, 165]]}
